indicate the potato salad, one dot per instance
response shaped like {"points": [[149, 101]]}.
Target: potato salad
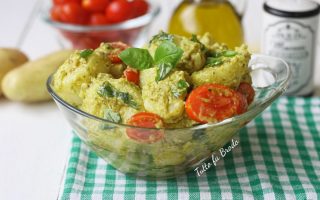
{"points": [[172, 82]]}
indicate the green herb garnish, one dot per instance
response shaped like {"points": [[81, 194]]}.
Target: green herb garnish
{"points": [[107, 90], [137, 58], [163, 70], [212, 61], [182, 87], [182, 84], [85, 53], [216, 58], [112, 116], [229, 53], [166, 57], [162, 36]]}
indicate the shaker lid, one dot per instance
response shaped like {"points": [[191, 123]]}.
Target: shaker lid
{"points": [[292, 8]]}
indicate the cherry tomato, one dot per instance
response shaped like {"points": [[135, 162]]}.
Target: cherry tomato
{"points": [[59, 2], [140, 7], [132, 75], [213, 103], [118, 11], [73, 13], [98, 19], [56, 12], [95, 5], [247, 90], [145, 120], [114, 55]]}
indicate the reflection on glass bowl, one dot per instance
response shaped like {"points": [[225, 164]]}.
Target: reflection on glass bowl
{"points": [[180, 150], [132, 31]]}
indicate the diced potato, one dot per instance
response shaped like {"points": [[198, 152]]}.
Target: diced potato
{"points": [[231, 73], [97, 105], [77, 72], [159, 98]]}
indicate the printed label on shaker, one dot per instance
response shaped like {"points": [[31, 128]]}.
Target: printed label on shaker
{"points": [[293, 42]]}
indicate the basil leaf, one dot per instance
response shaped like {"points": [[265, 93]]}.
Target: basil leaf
{"points": [[168, 52], [85, 53], [166, 57], [112, 116], [163, 70], [212, 61], [229, 53], [137, 58], [162, 36], [107, 90]]}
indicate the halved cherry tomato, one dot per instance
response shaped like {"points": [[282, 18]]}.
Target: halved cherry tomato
{"points": [[59, 2], [140, 7], [145, 120], [247, 90], [118, 48], [132, 75], [98, 19], [118, 11], [73, 13], [95, 5], [213, 103]]}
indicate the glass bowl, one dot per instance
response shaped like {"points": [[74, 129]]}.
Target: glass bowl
{"points": [[181, 150], [132, 31]]}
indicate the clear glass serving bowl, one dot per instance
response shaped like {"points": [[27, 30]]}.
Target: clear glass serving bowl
{"points": [[132, 31], [180, 150]]}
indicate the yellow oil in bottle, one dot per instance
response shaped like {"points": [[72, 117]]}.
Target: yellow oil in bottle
{"points": [[217, 17]]}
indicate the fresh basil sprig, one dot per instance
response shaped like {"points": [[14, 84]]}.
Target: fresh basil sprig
{"points": [[85, 53], [137, 58], [112, 116], [107, 90], [166, 57]]}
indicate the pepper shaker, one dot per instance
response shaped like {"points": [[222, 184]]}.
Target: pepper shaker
{"points": [[289, 32]]}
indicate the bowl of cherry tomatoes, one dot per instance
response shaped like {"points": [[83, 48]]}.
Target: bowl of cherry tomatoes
{"points": [[84, 24]]}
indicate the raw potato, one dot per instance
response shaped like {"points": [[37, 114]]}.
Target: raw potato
{"points": [[28, 82], [10, 58]]}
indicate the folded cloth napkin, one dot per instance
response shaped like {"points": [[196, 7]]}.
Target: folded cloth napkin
{"points": [[277, 156]]}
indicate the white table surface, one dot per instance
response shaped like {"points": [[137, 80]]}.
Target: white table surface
{"points": [[34, 138]]}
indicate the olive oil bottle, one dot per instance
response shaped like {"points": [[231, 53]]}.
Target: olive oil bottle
{"points": [[217, 17]]}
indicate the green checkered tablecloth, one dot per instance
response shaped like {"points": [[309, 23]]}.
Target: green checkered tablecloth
{"points": [[278, 157]]}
